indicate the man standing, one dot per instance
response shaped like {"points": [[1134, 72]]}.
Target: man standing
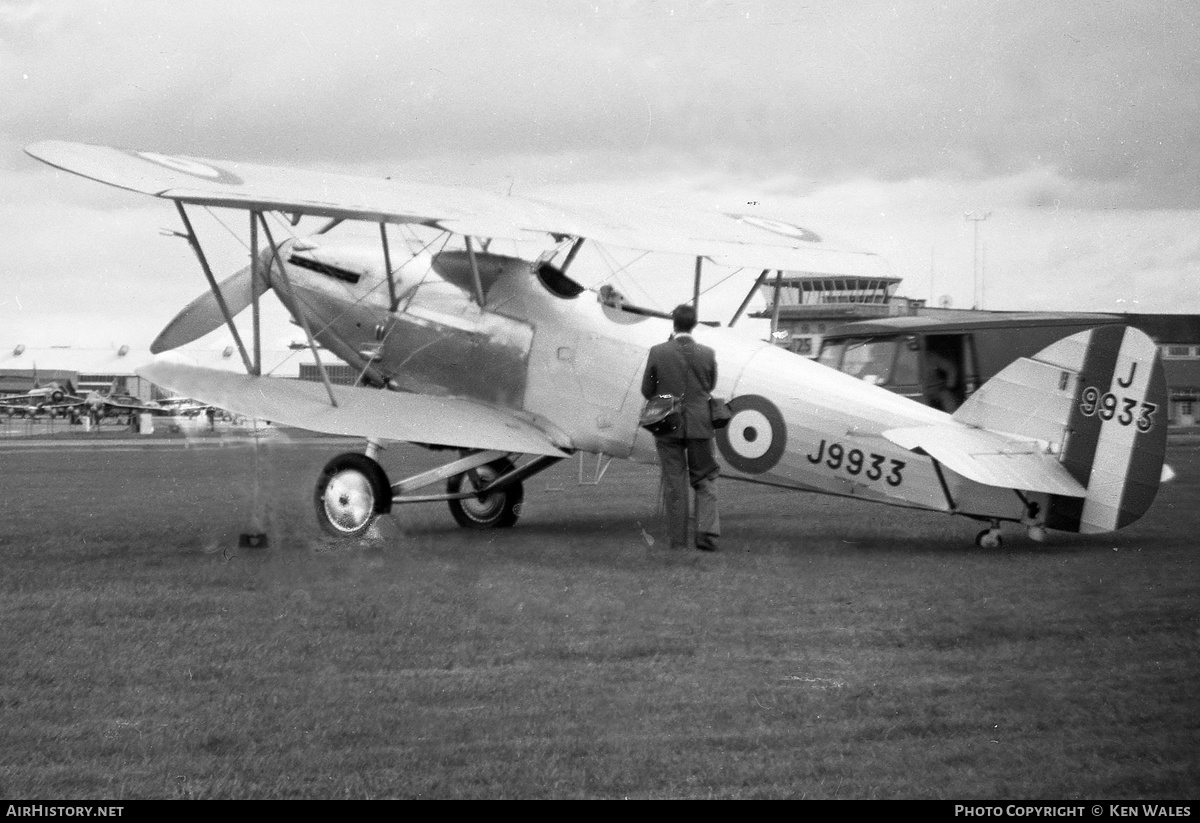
{"points": [[688, 370]]}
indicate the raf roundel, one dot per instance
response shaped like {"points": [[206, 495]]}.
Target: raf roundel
{"points": [[756, 435], [192, 167], [779, 227]]}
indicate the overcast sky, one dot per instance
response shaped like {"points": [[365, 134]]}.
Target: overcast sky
{"points": [[1075, 125]]}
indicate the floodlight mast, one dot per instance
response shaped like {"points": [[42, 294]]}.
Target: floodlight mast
{"points": [[976, 269]]}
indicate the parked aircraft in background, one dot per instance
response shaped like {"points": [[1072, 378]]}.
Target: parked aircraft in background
{"points": [[183, 406], [59, 400], [511, 363], [99, 406], [52, 400]]}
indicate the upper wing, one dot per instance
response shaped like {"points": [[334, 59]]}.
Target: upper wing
{"points": [[361, 412], [726, 239]]}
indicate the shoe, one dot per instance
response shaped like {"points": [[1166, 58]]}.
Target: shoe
{"points": [[707, 543]]}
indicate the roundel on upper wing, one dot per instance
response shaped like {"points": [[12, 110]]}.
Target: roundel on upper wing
{"points": [[779, 227], [192, 167], [756, 435]]}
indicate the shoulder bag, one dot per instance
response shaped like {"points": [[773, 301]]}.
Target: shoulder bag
{"points": [[718, 410], [661, 415]]}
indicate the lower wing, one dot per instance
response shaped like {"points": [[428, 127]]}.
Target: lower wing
{"points": [[360, 412]]}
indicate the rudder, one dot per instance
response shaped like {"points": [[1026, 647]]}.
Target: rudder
{"points": [[1117, 433], [1100, 398]]}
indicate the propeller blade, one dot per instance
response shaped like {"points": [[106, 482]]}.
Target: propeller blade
{"points": [[203, 314]]}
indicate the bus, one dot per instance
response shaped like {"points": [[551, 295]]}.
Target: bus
{"points": [[942, 361]]}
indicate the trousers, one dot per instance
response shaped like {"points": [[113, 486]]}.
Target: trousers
{"points": [[690, 462]]}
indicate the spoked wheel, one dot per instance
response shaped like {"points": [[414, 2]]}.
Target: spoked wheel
{"points": [[498, 509], [351, 491]]}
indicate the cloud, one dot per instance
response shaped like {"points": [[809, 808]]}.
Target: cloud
{"points": [[826, 90], [1077, 124]]}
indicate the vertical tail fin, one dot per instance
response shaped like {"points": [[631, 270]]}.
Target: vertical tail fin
{"points": [[1099, 397]]}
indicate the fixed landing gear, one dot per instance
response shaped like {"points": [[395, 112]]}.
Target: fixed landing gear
{"points": [[990, 538], [484, 490], [485, 510], [351, 492]]}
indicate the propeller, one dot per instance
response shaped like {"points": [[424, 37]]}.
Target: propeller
{"points": [[204, 315]]}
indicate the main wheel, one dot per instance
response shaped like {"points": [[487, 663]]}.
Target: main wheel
{"points": [[498, 509], [351, 491]]}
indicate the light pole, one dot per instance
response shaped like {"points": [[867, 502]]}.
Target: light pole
{"points": [[976, 268]]}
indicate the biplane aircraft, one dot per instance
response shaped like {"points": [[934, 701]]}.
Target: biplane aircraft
{"points": [[510, 364]]}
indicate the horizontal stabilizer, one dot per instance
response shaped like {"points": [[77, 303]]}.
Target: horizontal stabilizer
{"points": [[990, 458], [360, 412]]}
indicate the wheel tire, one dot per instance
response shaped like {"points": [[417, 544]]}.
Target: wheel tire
{"points": [[986, 539], [497, 510], [351, 491]]}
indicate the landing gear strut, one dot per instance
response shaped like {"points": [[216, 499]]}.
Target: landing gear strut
{"points": [[1036, 529], [483, 490], [494, 509]]}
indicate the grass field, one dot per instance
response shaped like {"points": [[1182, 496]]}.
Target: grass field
{"points": [[832, 649]]}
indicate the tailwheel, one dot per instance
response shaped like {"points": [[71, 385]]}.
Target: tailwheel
{"points": [[351, 491], [989, 538], [496, 509]]}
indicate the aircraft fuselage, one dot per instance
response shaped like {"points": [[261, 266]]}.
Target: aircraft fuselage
{"points": [[573, 365]]}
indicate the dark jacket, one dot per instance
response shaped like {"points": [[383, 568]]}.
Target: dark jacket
{"points": [[686, 369]]}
